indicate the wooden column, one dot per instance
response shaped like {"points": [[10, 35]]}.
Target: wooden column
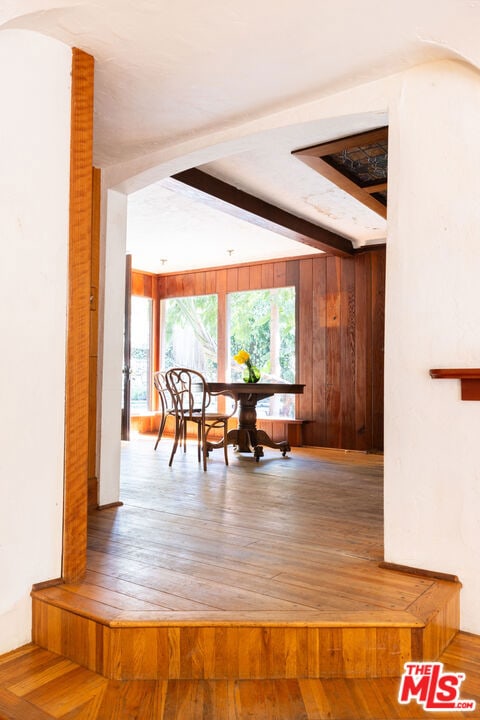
{"points": [[78, 321]]}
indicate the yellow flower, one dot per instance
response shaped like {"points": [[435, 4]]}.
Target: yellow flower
{"points": [[241, 357]]}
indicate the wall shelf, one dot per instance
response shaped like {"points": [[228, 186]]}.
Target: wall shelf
{"points": [[469, 380]]}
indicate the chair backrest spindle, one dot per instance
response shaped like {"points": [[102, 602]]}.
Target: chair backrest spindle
{"points": [[189, 390]]}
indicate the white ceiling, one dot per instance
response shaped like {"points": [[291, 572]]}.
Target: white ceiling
{"points": [[167, 232], [170, 74]]}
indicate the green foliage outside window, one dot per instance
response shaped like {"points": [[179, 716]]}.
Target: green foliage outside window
{"points": [[141, 323], [190, 334], [263, 323]]}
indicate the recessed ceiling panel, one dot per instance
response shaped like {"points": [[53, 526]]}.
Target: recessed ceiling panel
{"points": [[358, 164]]}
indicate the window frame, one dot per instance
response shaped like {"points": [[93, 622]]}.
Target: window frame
{"points": [[223, 335]]}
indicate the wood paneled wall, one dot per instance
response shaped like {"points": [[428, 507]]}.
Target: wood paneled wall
{"points": [[143, 283], [340, 350], [340, 334]]}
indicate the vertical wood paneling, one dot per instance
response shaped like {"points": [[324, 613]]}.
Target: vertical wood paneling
{"points": [[347, 354], [232, 280], [78, 321], [212, 280], [280, 274], [377, 344], [333, 354], [138, 284], [315, 432], [199, 284], [292, 273], [221, 282], [148, 286], [363, 425], [189, 284], [255, 277], [142, 283], [304, 322], [177, 283], [173, 286], [243, 282], [340, 330], [267, 275], [162, 286]]}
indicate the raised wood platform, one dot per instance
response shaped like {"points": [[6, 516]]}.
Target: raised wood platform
{"points": [[258, 570]]}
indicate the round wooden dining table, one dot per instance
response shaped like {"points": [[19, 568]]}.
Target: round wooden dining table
{"points": [[247, 438]]}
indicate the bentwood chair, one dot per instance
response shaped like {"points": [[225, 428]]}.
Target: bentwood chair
{"points": [[191, 400], [165, 400]]}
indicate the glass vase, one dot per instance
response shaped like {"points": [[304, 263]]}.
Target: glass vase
{"points": [[251, 374]]}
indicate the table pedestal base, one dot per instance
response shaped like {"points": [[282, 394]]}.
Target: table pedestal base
{"points": [[247, 438], [251, 440]]}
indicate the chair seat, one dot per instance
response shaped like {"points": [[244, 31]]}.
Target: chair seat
{"points": [[197, 415]]}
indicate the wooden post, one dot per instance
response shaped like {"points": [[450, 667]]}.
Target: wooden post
{"points": [[78, 321]]}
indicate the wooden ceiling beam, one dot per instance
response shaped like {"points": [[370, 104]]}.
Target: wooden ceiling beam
{"points": [[202, 187]]}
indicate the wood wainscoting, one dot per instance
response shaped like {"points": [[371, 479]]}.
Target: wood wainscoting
{"points": [[255, 570], [277, 428]]}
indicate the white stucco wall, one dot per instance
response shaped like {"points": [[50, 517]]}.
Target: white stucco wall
{"points": [[34, 188], [432, 468]]}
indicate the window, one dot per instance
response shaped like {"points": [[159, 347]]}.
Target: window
{"points": [[189, 334], [140, 353], [262, 322]]}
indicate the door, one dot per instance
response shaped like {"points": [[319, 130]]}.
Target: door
{"points": [[127, 350]]}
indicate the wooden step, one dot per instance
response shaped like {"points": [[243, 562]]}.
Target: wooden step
{"points": [[269, 570], [39, 685], [143, 645]]}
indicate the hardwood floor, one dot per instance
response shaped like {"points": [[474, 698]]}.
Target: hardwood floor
{"points": [[284, 534], [285, 537], [36, 684], [292, 541], [255, 571]]}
